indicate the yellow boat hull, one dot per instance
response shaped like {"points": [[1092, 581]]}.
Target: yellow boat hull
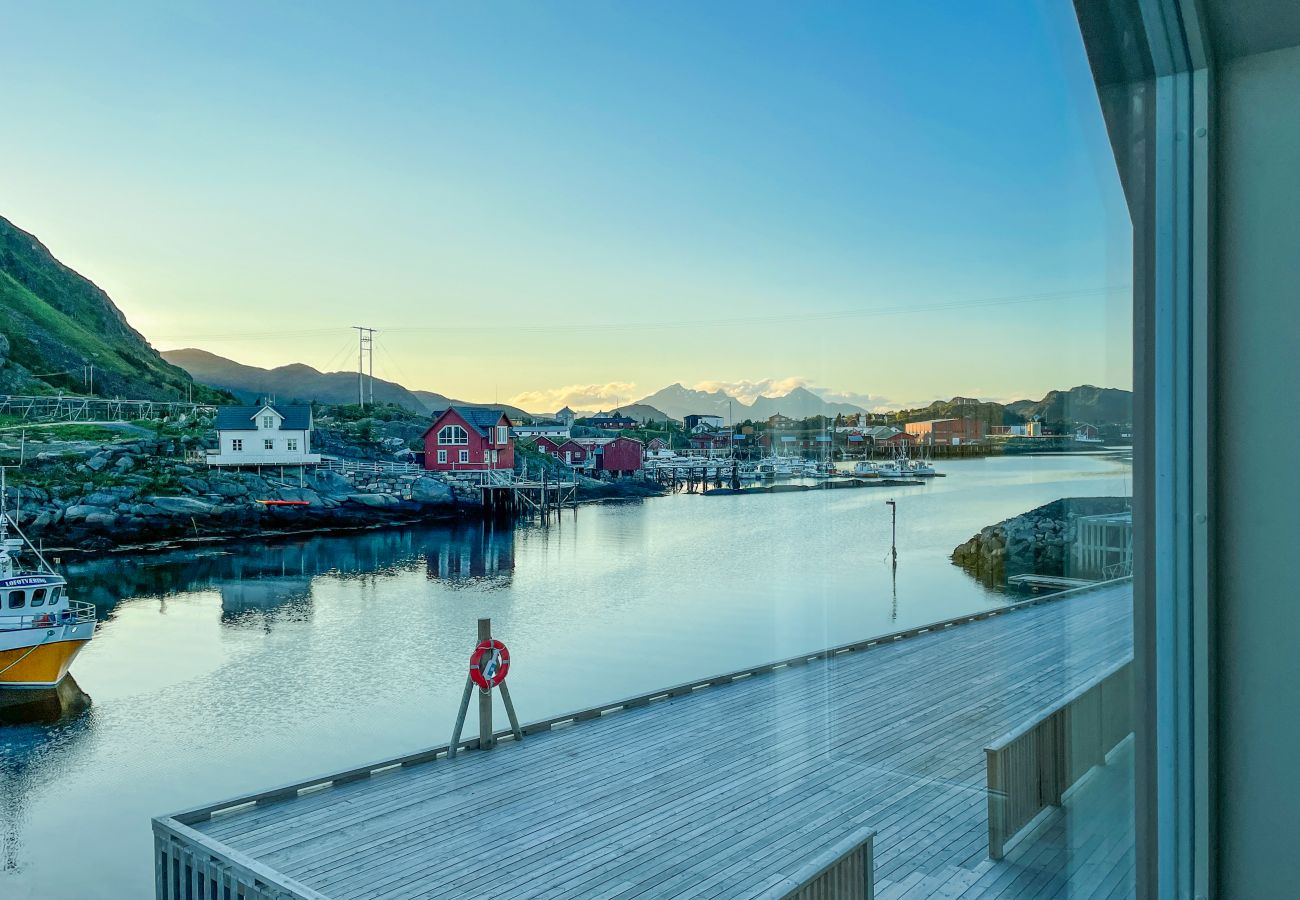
{"points": [[42, 666]]}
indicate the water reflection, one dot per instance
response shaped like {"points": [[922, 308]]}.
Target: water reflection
{"points": [[267, 581], [46, 724], [482, 559]]}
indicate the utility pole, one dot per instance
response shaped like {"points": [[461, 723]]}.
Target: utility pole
{"points": [[365, 354], [893, 529]]}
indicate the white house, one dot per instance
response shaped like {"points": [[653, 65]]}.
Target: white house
{"points": [[555, 432], [263, 435]]}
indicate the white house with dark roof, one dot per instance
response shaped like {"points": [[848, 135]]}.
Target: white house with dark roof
{"points": [[263, 435]]}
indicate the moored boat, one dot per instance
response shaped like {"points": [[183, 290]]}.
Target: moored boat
{"points": [[41, 629]]}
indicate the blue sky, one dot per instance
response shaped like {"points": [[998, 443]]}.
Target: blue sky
{"points": [[582, 202]]}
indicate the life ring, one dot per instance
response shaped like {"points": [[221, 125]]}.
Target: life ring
{"points": [[488, 664]]}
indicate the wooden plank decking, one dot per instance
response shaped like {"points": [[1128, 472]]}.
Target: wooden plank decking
{"points": [[726, 790]]}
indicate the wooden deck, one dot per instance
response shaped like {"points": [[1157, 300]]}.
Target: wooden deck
{"points": [[725, 790]]}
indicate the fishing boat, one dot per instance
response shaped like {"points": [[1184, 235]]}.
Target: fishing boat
{"points": [[41, 629], [866, 469]]}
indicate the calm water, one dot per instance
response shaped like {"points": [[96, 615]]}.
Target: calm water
{"points": [[230, 670]]}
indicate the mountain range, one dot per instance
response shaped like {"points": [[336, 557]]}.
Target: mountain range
{"points": [[297, 381], [679, 401]]}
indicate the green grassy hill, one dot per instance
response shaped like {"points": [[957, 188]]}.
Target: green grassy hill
{"points": [[53, 322]]}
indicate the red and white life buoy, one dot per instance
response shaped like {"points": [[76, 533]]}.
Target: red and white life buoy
{"points": [[488, 664]]}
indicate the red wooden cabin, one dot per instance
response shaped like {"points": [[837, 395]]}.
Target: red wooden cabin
{"points": [[467, 439]]}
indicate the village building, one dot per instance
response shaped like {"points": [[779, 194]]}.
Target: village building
{"points": [[534, 431], [566, 416], [570, 451], [615, 421], [711, 440], [776, 420], [656, 444], [264, 435], [619, 456], [964, 430], [697, 422], [466, 439]]}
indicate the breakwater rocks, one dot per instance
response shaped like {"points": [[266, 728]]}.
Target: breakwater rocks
{"points": [[1037, 542], [125, 496]]}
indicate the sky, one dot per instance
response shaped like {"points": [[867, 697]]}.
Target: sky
{"points": [[582, 202]]}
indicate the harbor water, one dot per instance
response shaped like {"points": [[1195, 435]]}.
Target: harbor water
{"points": [[232, 668]]}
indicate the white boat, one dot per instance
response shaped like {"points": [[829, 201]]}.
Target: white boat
{"points": [[920, 468], [41, 629], [866, 469]]}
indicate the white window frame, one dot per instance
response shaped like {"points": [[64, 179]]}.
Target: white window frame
{"points": [[442, 456], [464, 456], [268, 421], [291, 444], [236, 445], [453, 435], [268, 443], [503, 434]]}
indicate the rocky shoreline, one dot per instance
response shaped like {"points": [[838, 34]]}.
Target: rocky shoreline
{"points": [[1037, 542], [142, 494]]}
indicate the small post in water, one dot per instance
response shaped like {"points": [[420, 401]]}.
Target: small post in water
{"points": [[893, 529]]}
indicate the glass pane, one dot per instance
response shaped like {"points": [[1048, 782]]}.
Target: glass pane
{"points": [[810, 554]]}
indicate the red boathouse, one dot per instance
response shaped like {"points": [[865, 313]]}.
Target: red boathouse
{"points": [[469, 439]]}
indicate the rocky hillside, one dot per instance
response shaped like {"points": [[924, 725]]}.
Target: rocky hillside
{"points": [[1085, 403], [53, 322]]}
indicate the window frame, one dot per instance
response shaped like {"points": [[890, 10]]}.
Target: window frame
{"points": [[236, 445], [454, 431]]}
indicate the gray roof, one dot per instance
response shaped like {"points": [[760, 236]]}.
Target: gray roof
{"points": [[480, 418], [241, 418]]}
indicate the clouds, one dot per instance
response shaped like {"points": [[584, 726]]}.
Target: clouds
{"points": [[577, 396]]}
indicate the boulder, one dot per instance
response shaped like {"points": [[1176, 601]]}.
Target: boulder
{"points": [[101, 519], [299, 495], [181, 506], [97, 462], [102, 498], [228, 488], [430, 490], [124, 464], [329, 483], [83, 511], [374, 501], [193, 485]]}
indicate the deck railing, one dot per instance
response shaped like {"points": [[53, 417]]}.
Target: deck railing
{"points": [[845, 871], [1030, 768], [77, 613], [189, 866]]}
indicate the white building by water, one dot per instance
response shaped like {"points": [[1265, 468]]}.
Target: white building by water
{"points": [[263, 435]]}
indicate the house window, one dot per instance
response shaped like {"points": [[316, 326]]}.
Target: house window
{"points": [[268, 421], [442, 456], [503, 434], [292, 444], [237, 445], [452, 434], [268, 444], [464, 456]]}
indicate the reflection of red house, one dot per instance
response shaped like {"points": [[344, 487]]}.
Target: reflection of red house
{"points": [[464, 438]]}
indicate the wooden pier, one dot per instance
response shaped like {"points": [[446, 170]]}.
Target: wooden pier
{"points": [[871, 757]]}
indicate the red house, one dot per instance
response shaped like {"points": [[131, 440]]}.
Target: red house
{"points": [[569, 450], [618, 456], [469, 439]]}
